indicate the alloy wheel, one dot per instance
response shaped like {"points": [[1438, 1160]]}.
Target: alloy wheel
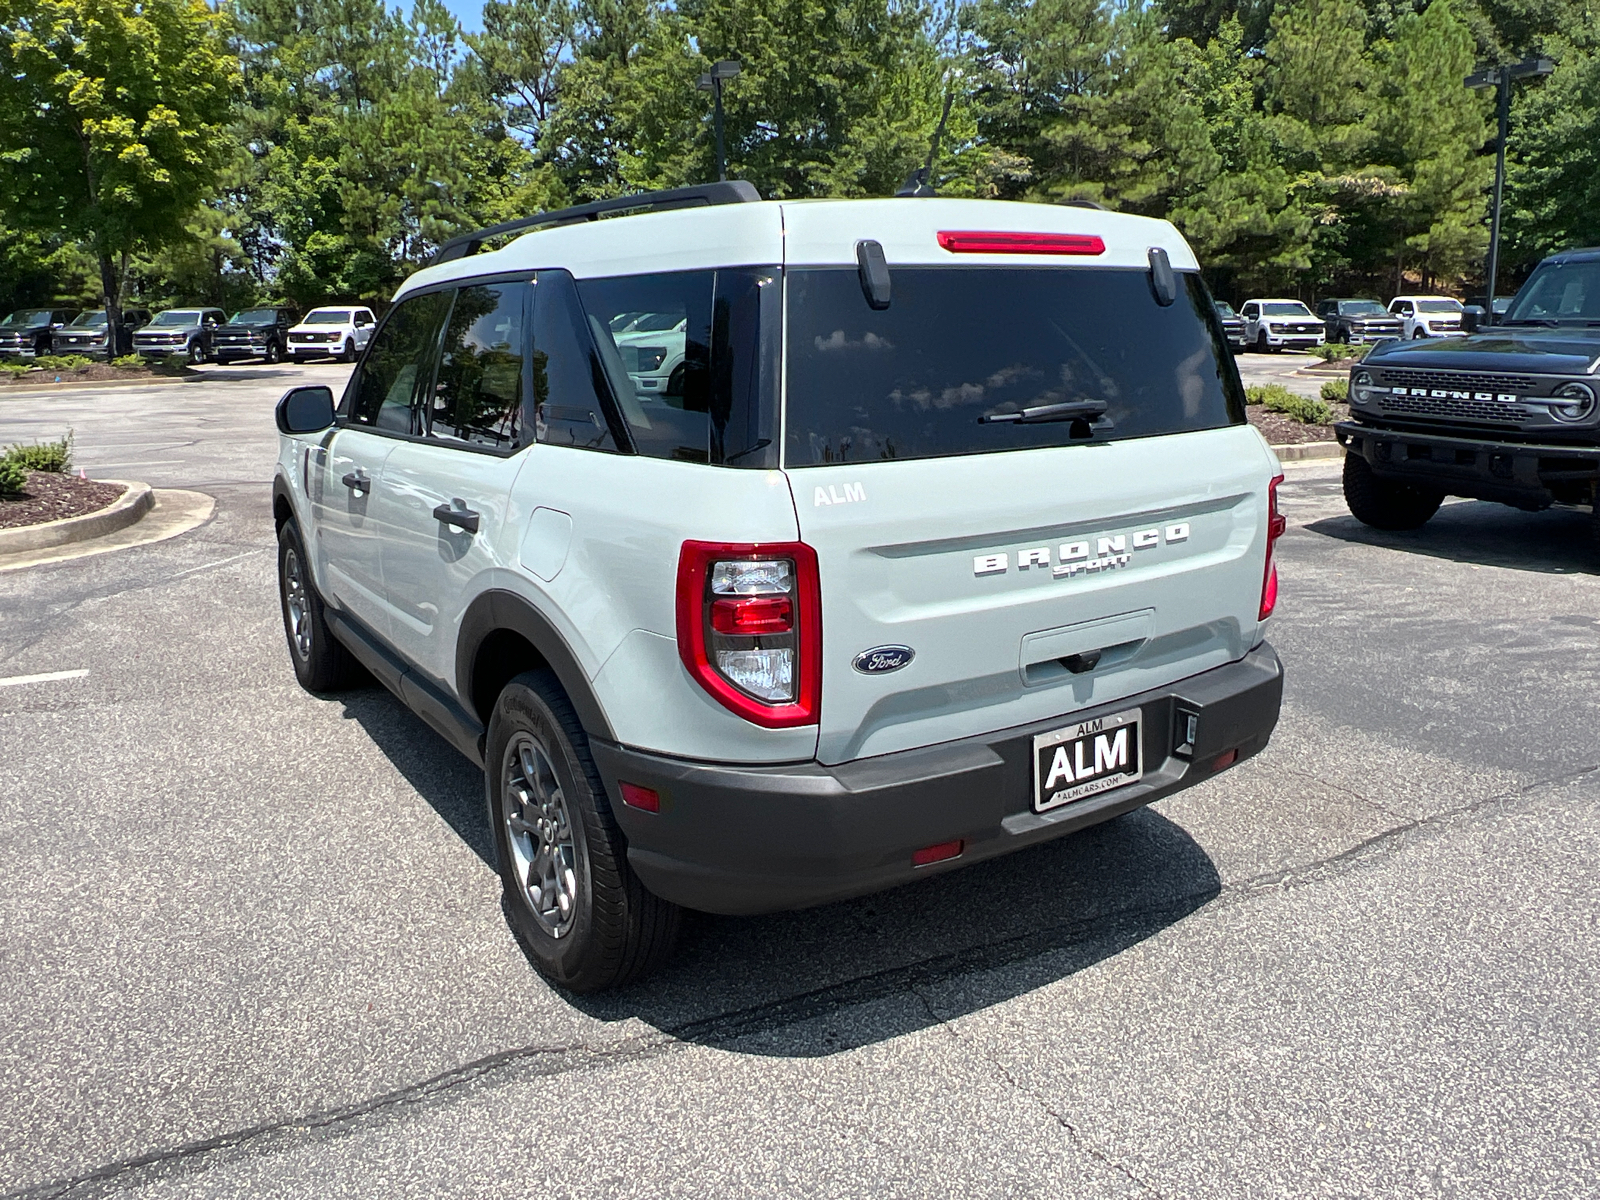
{"points": [[297, 601], [539, 833]]}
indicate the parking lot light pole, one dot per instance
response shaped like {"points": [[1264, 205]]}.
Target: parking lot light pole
{"points": [[1500, 79], [711, 82]]}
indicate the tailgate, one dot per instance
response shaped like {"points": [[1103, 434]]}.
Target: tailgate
{"points": [[1006, 574]]}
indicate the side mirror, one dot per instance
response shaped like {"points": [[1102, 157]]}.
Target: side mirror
{"points": [[305, 410], [1473, 317]]}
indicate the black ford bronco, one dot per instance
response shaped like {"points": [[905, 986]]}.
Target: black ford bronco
{"points": [[1505, 412]]}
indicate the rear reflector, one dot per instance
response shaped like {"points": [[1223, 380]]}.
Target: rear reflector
{"points": [[932, 854], [643, 798], [751, 616], [1225, 760], [972, 241]]}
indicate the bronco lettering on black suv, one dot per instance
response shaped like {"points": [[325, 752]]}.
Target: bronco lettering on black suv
{"points": [[768, 554]]}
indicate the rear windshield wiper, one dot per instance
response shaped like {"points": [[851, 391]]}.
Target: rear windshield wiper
{"points": [[1074, 410]]}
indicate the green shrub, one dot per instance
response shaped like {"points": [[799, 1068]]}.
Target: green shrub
{"points": [[1332, 350], [48, 456], [1266, 393], [12, 477], [128, 362], [15, 369], [176, 363], [1300, 408], [1336, 391], [62, 362]]}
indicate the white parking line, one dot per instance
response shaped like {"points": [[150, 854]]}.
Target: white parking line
{"points": [[48, 677]]}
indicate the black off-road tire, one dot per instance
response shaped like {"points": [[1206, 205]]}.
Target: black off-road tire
{"points": [[620, 931], [1383, 503], [321, 663]]}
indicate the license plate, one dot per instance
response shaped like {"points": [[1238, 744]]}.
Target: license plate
{"points": [[1086, 759]]}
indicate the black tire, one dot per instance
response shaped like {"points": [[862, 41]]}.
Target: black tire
{"points": [[1594, 529], [321, 663], [273, 354], [616, 931], [348, 354], [1383, 503], [197, 351], [1261, 342], [1418, 333]]}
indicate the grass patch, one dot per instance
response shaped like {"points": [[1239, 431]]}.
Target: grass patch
{"points": [[41, 456]]}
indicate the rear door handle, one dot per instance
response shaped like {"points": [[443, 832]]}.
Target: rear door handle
{"points": [[461, 518], [358, 481]]}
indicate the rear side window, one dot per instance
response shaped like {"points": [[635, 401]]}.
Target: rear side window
{"points": [[960, 343], [478, 396], [692, 359], [569, 383], [397, 371]]}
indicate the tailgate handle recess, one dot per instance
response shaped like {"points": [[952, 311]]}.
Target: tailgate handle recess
{"points": [[1053, 654]]}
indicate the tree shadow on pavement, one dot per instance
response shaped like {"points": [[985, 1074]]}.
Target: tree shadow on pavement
{"points": [[1554, 542], [775, 984]]}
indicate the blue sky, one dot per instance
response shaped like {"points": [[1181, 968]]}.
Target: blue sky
{"points": [[468, 12]]}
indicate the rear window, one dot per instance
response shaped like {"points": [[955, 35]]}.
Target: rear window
{"points": [[959, 343]]}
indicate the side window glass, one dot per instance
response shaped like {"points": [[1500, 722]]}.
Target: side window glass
{"points": [[478, 398], [654, 336], [569, 383], [397, 372]]}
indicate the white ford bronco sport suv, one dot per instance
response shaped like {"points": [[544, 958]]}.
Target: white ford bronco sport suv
{"points": [[926, 560]]}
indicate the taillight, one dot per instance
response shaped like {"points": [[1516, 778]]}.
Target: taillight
{"points": [[1276, 524], [750, 628], [977, 241]]}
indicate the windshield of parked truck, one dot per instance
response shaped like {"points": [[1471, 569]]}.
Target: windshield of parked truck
{"points": [[89, 319], [27, 317], [1224, 309], [177, 316], [1362, 308], [1439, 306], [1285, 309], [329, 316], [1559, 292], [255, 316], [957, 344]]}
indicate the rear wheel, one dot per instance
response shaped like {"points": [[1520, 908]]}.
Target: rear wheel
{"points": [[570, 896], [1383, 503], [321, 663]]}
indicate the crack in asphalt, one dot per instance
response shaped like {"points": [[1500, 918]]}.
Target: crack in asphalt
{"points": [[1088, 937]]}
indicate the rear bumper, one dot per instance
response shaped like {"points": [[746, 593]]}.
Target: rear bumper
{"points": [[749, 839], [1521, 474]]}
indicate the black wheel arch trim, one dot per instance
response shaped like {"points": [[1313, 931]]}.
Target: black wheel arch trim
{"points": [[498, 609]]}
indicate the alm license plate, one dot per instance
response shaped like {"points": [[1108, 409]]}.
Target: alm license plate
{"points": [[1086, 759]]}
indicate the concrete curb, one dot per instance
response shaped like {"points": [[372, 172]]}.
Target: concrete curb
{"points": [[175, 512], [72, 385], [1308, 450], [122, 512]]}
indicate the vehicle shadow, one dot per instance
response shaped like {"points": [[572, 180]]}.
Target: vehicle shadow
{"points": [[1553, 542], [834, 978], [441, 775]]}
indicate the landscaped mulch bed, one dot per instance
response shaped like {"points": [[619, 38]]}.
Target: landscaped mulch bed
{"points": [[50, 497], [1280, 430], [93, 373]]}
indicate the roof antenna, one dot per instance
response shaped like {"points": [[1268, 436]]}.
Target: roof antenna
{"points": [[916, 183]]}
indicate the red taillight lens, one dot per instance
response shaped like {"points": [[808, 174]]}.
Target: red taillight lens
{"points": [[752, 616], [1276, 524], [974, 241], [750, 628]]}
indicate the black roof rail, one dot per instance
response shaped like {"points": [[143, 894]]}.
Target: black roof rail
{"points": [[730, 191]]}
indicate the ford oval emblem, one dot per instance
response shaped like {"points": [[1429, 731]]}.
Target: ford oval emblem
{"points": [[880, 660]]}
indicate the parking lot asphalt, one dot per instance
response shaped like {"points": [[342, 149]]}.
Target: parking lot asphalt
{"points": [[252, 941]]}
